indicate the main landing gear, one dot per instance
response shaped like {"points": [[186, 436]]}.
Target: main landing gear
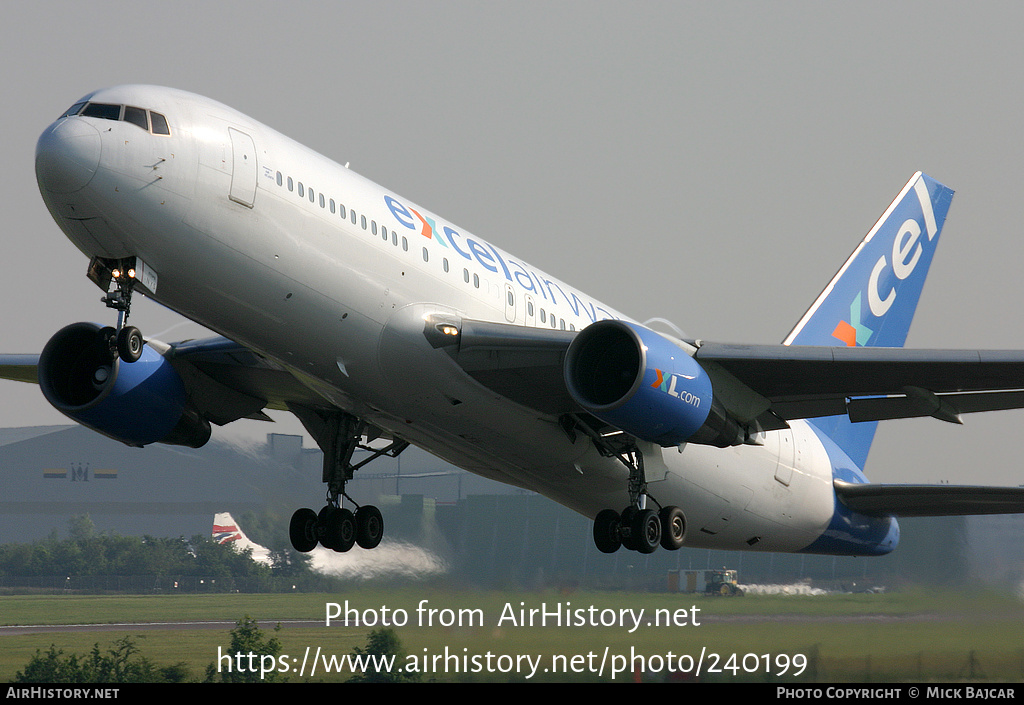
{"points": [[125, 341], [335, 527], [637, 527]]}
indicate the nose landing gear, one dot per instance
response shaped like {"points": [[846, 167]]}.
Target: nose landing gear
{"points": [[118, 278]]}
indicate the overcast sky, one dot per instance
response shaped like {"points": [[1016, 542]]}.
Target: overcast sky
{"points": [[709, 163]]}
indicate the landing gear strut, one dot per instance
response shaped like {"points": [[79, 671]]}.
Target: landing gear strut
{"points": [[637, 527], [339, 435], [125, 341]]}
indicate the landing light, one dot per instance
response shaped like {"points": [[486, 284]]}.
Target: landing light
{"points": [[448, 329]]}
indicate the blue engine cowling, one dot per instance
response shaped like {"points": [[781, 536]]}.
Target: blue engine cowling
{"points": [[136, 403], [646, 385]]}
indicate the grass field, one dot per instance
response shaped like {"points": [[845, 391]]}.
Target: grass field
{"points": [[901, 636]]}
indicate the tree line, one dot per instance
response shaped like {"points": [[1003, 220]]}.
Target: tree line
{"points": [[87, 552]]}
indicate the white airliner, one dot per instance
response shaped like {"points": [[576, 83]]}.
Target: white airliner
{"points": [[376, 321]]}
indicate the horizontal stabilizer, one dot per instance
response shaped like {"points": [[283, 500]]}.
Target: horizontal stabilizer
{"points": [[929, 500]]}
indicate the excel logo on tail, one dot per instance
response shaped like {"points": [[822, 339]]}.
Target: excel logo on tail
{"points": [[667, 384], [886, 275]]}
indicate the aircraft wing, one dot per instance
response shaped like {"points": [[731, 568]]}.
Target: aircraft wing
{"points": [[21, 368], [770, 383], [929, 500], [872, 384], [520, 363], [226, 381]]}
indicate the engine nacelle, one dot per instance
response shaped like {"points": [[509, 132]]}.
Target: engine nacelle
{"points": [[136, 403], [645, 384]]}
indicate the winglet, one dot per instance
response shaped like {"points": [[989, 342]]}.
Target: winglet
{"points": [[872, 299]]}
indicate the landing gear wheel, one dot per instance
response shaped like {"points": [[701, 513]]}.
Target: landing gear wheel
{"points": [[302, 530], [646, 531], [626, 528], [323, 522], [606, 531], [369, 526], [129, 344], [673, 528], [336, 528]]}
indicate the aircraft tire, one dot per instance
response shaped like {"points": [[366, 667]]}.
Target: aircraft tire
{"points": [[324, 519], [302, 530], [108, 334], [606, 531], [626, 530], [673, 528], [369, 526], [646, 531], [130, 344], [339, 530]]}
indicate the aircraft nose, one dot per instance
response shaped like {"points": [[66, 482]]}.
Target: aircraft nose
{"points": [[67, 155]]}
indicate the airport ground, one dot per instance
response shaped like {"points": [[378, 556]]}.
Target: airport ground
{"points": [[907, 636]]}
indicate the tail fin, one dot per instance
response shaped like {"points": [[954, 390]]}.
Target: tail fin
{"points": [[872, 299], [226, 531]]}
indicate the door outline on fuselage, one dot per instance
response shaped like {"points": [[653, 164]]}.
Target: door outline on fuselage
{"points": [[243, 168]]}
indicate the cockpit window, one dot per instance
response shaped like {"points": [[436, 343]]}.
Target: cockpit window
{"points": [[159, 124], [146, 119], [107, 111], [136, 116], [74, 109]]}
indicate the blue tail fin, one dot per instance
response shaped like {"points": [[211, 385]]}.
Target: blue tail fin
{"points": [[872, 299]]}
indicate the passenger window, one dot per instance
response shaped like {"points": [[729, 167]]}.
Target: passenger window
{"points": [[302, 190], [405, 244], [291, 184], [280, 178], [159, 124], [444, 264], [332, 205], [373, 227], [312, 196], [322, 201], [341, 210], [543, 316], [476, 280], [465, 275], [362, 221], [426, 255], [136, 116], [353, 217]]}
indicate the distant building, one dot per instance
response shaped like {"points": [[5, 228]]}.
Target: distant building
{"points": [[52, 473], [494, 533]]}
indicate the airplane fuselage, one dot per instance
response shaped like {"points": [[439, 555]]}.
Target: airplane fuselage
{"points": [[330, 276]]}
